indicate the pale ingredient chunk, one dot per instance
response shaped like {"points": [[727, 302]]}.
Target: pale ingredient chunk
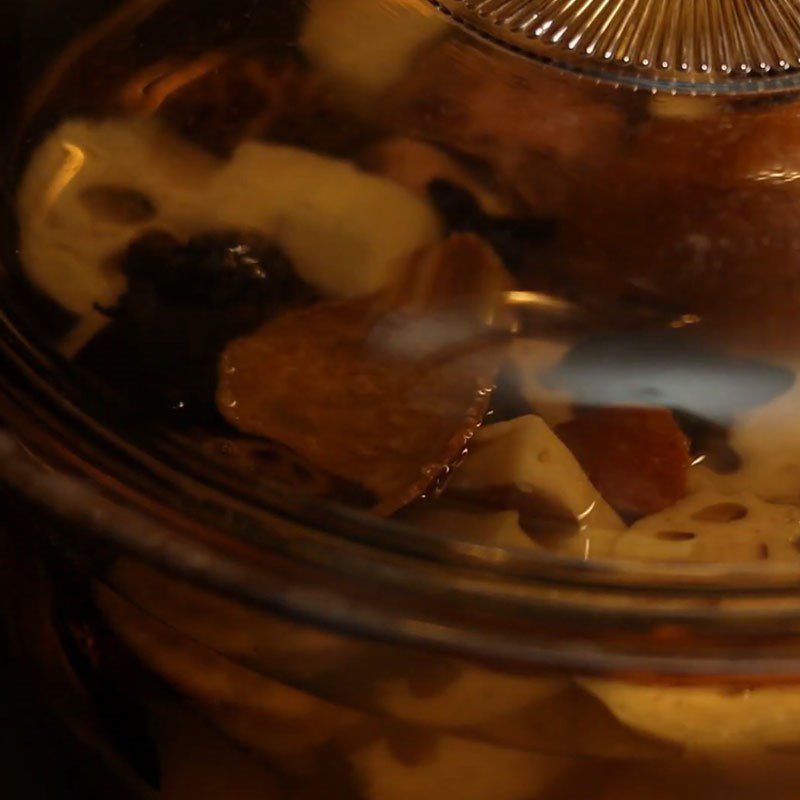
{"points": [[348, 233], [263, 714], [712, 527], [91, 188], [706, 718], [70, 233], [365, 46], [531, 359], [767, 440], [524, 461], [489, 528], [475, 696]]}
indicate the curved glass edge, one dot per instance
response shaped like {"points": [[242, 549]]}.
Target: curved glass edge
{"points": [[630, 76], [519, 624]]}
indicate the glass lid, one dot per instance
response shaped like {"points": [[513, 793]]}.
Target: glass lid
{"points": [[437, 264], [679, 45]]}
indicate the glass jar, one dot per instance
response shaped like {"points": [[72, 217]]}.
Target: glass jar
{"points": [[195, 634]]}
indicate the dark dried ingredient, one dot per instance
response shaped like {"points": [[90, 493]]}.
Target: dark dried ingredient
{"points": [[211, 270], [184, 302], [710, 442], [513, 238]]}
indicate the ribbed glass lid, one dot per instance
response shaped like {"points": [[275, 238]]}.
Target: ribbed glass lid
{"points": [[680, 45]]}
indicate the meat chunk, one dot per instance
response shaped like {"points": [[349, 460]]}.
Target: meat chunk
{"points": [[637, 457]]}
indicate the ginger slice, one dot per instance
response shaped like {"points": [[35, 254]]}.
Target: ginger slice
{"points": [[321, 382]]}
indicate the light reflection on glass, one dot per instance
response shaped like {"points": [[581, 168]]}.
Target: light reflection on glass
{"points": [[74, 159]]}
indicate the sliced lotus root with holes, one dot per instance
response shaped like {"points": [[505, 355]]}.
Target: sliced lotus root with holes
{"points": [[637, 457], [522, 465], [264, 714], [715, 527], [424, 767], [92, 187], [323, 382]]}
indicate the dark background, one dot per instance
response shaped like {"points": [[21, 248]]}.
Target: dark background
{"points": [[31, 31], [29, 767]]}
